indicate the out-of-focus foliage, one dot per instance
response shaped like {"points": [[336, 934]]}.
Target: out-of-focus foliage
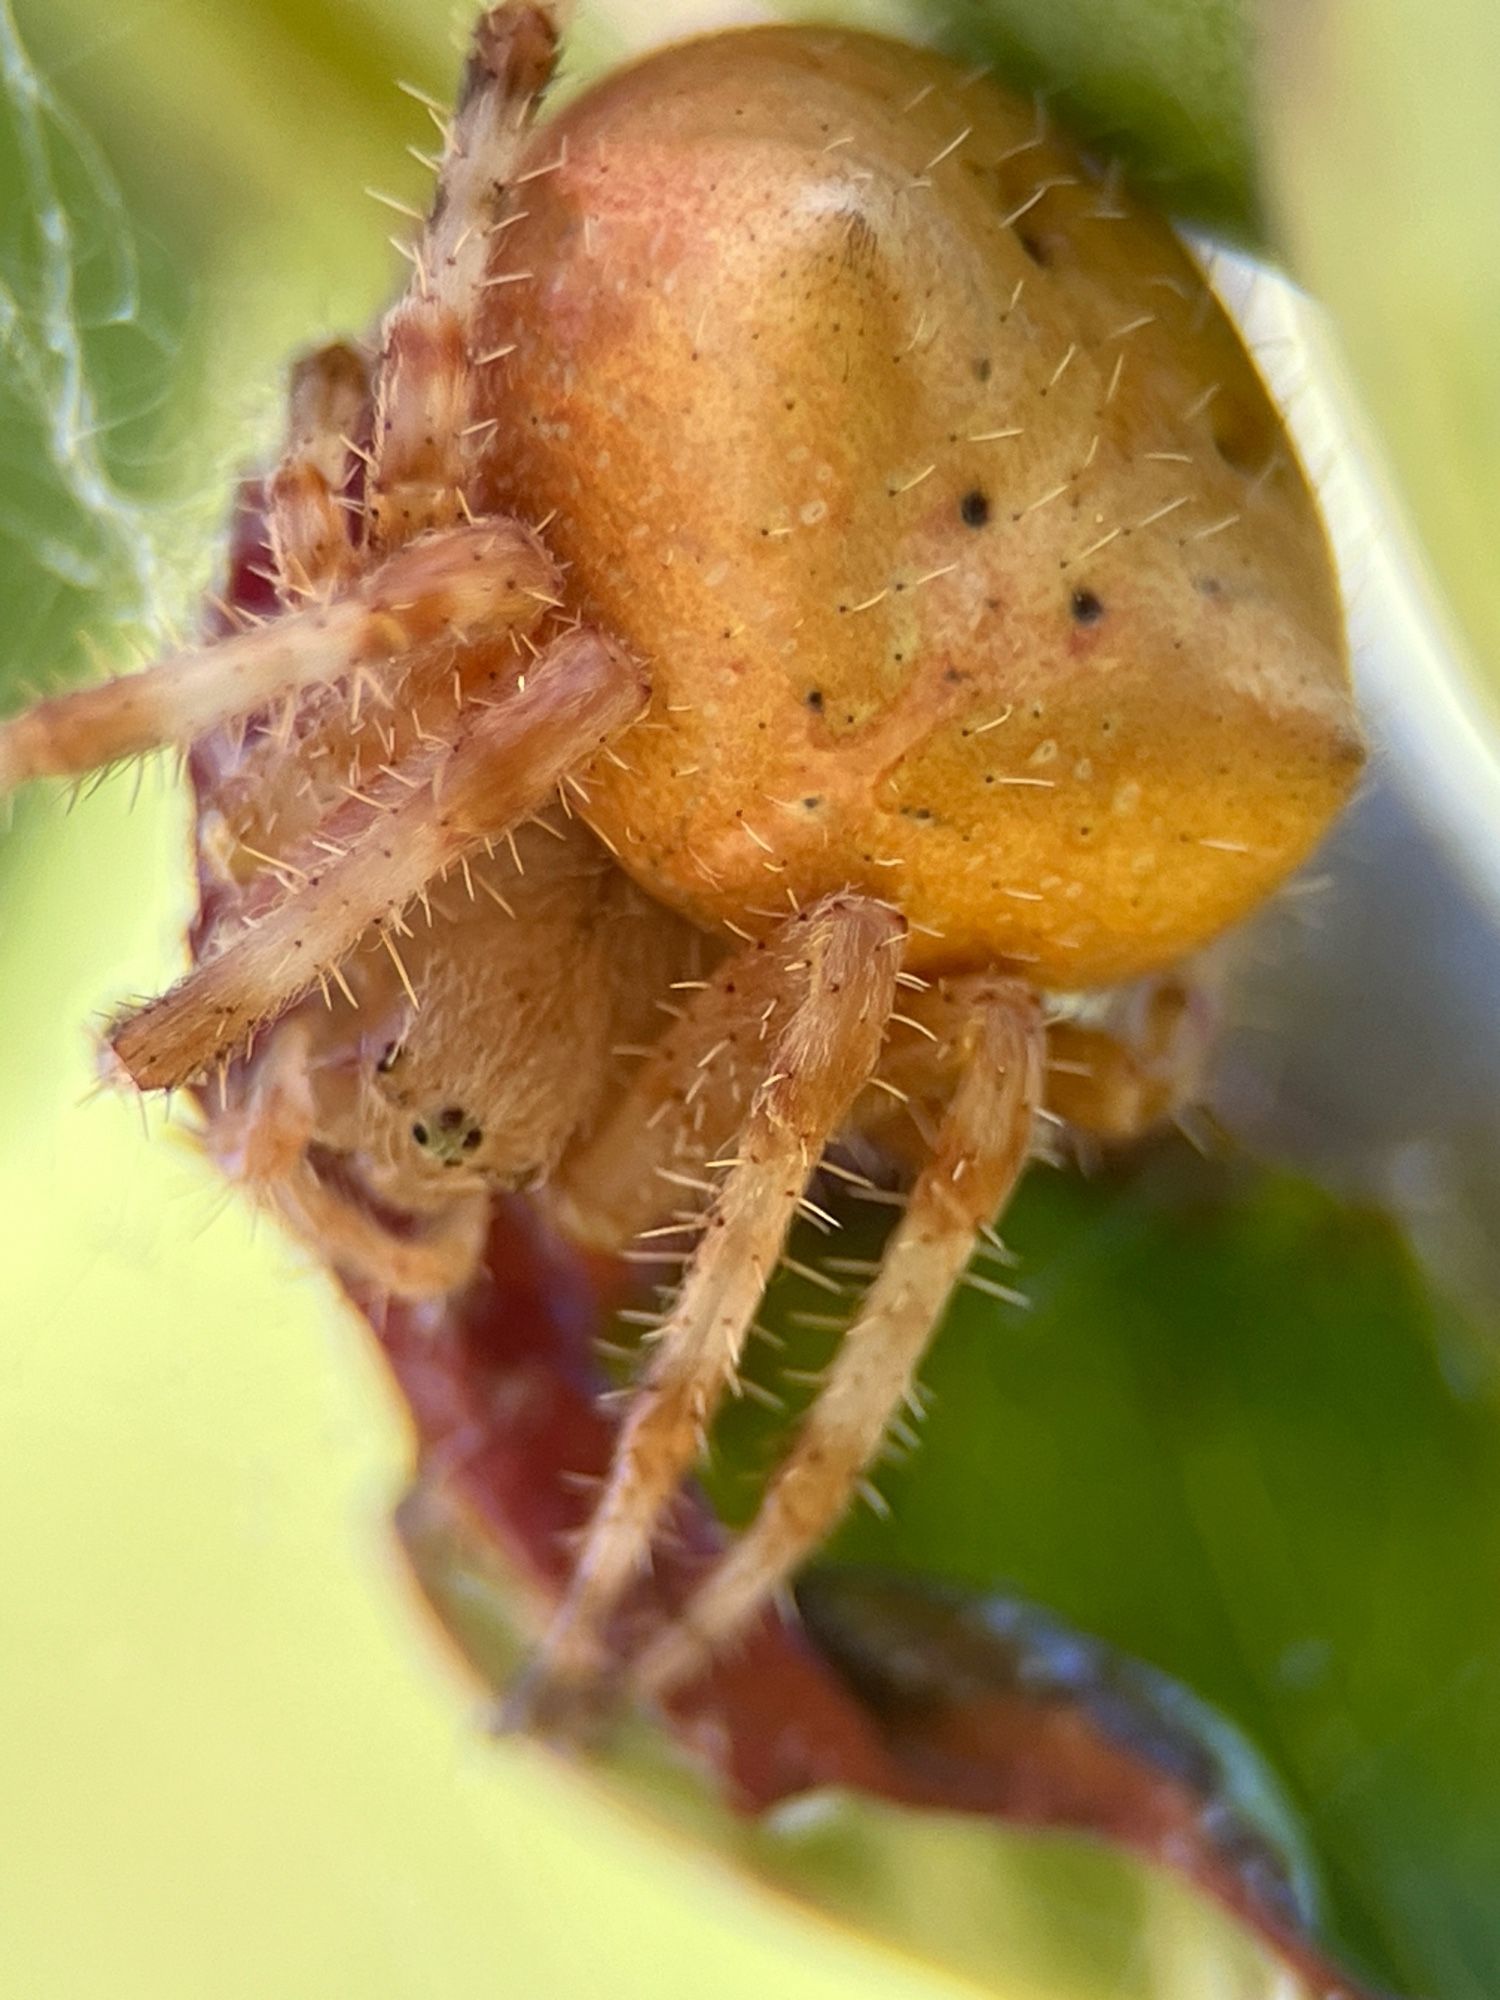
{"points": [[83, 345], [1162, 85], [1382, 149], [181, 205], [1236, 1434], [1017, 1913]]}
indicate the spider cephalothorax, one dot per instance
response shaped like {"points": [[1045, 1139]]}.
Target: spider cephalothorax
{"points": [[928, 618]]}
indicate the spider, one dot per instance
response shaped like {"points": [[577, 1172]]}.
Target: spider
{"points": [[809, 586]]}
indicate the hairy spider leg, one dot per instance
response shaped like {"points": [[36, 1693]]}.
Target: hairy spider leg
{"points": [[455, 589], [434, 1252], [423, 442], [425, 438], [836, 968], [1136, 1067], [262, 1135], [307, 517], [981, 1148], [377, 852], [679, 1110], [1129, 1063]]}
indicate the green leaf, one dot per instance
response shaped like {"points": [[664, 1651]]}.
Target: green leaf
{"points": [[1011, 1911], [1237, 1435], [83, 336], [1164, 85], [1382, 162]]}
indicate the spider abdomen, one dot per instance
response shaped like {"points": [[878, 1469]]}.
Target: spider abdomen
{"points": [[961, 539]]}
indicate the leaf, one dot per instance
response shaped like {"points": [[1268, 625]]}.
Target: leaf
{"points": [[1382, 158], [1234, 1436], [84, 339], [1162, 84], [964, 1891]]}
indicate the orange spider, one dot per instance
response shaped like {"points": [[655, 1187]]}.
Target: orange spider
{"points": [[927, 624]]}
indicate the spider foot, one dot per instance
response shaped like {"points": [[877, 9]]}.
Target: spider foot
{"points": [[673, 1658], [569, 1707]]}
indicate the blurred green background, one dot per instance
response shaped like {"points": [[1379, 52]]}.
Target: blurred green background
{"points": [[1239, 1436]]}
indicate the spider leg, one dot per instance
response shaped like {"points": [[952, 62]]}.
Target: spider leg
{"points": [[433, 1253], [835, 967], [378, 851], [1137, 1066], [469, 584], [424, 440], [306, 517], [1125, 1064], [679, 1110], [981, 1148], [259, 1138]]}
